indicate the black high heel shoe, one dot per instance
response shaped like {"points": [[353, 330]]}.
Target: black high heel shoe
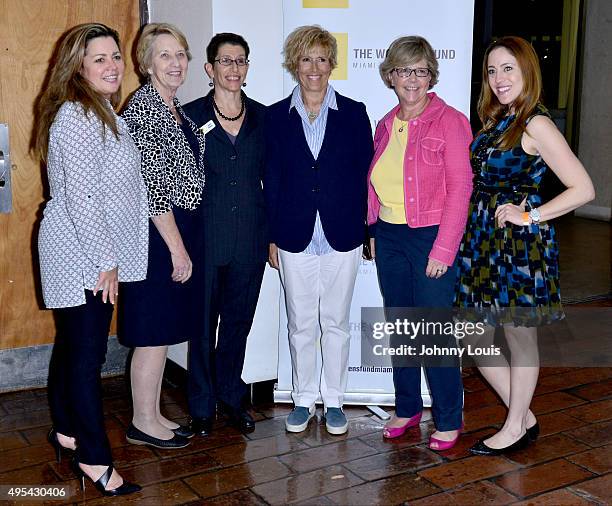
{"points": [[533, 432], [125, 488], [59, 449]]}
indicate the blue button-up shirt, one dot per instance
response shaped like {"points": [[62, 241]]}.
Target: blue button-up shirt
{"points": [[314, 133]]}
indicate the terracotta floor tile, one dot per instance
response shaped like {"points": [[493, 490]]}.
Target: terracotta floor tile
{"points": [[25, 457], [598, 460], [394, 490], [11, 440], [34, 475], [562, 497], [594, 412], [571, 379], [271, 427], [597, 434], [479, 399], [383, 465], [315, 501], [594, 391], [460, 472], [474, 384], [489, 416], [237, 477], [20, 421], [541, 478], [552, 423], [170, 493], [273, 410], [412, 437], [598, 490], [313, 458], [551, 371], [238, 498], [547, 448], [554, 401], [131, 455], [257, 449], [482, 492], [171, 469], [317, 434], [308, 485]]}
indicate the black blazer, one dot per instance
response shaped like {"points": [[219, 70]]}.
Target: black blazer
{"points": [[335, 184], [233, 204]]}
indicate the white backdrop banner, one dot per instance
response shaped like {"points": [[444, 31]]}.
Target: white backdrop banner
{"points": [[364, 30]]}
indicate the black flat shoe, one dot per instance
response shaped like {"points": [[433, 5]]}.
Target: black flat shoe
{"points": [[241, 419], [201, 426], [137, 437], [124, 489], [533, 432], [481, 448], [184, 431], [59, 449]]}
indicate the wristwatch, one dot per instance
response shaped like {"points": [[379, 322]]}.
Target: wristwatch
{"points": [[535, 215]]}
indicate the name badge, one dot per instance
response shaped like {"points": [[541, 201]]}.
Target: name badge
{"points": [[207, 127]]}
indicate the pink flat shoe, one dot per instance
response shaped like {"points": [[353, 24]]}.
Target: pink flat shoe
{"points": [[393, 432], [442, 445]]}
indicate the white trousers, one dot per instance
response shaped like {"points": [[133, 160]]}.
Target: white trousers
{"points": [[318, 293]]}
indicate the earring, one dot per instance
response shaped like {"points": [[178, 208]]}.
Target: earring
{"points": [[244, 85], [211, 83]]}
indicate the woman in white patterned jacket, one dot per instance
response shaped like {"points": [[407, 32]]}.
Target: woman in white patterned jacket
{"points": [[93, 236]]}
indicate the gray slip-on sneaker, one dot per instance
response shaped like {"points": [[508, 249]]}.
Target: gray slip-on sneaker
{"points": [[335, 421], [298, 419]]}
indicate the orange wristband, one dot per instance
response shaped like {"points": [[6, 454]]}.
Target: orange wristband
{"points": [[526, 220]]}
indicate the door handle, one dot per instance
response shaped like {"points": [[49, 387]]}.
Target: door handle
{"points": [[6, 192]]}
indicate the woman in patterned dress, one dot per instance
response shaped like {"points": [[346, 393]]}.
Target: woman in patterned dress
{"points": [[93, 237], [164, 309], [508, 271]]}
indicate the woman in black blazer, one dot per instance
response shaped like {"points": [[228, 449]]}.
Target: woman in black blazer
{"points": [[235, 236]]}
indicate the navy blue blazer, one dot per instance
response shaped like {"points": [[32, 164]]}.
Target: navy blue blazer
{"points": [[233, 201], [296, 185]]}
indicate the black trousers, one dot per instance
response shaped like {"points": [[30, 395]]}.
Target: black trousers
{"points": [[74, 384], [230, 300]]}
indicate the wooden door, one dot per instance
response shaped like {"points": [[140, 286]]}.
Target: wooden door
{"points": [[29, 30]]}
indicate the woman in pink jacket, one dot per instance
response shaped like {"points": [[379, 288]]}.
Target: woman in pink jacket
{"points": [[420, 183]]}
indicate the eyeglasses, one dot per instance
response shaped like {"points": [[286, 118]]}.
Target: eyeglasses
{"points": [[319, 60], [226, 61], [407, 72]]}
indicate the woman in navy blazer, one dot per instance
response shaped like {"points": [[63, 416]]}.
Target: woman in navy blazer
{"points": [[235, 238], [319, 145]]}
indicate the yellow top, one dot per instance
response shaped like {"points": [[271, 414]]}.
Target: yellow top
{"points": [[388, 175]]}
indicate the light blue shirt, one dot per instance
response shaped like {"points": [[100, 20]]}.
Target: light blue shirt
{"points": [[314, 133]]}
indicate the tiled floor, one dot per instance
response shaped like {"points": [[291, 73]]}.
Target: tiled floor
{"points": [[570, 464]]}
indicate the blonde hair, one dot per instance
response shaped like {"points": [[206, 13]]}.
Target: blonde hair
{"points": [[491, 111], [407, 51], [66, 84], [144, 48], [303, 39]]}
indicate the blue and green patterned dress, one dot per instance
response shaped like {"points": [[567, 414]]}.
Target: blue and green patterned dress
{"points": [[507, 275]]}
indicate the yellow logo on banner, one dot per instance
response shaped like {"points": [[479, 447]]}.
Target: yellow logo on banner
{"points": [[340, 73], [325, 4]]}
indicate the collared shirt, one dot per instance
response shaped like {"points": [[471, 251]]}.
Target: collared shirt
{"points": [[314, 133]]}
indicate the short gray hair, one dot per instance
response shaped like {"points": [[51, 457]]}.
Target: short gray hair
{"points": [[406, 51]]}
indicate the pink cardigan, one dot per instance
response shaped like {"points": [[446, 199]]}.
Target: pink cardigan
{"points": [[437, 174]]}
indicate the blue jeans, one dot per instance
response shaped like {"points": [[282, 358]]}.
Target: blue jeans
{"points": [[401, 259]]}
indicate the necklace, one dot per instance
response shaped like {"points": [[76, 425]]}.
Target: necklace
{"points": [[404, 125], [312, 115], [228, 118]]}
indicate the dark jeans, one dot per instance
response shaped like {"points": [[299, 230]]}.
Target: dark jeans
{"points": [[75, 389], [230, 300], [401, 259]]}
